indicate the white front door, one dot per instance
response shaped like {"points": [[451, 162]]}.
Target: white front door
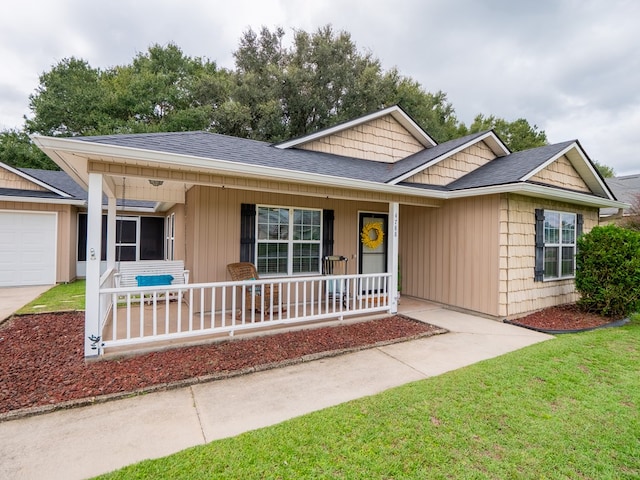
{"points": [[372, 257]]}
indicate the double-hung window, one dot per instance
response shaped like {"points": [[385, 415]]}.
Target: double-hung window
{"points": [[559, 244], [288, 240]]}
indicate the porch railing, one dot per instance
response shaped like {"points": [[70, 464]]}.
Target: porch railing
{"points": [[148, 314]]}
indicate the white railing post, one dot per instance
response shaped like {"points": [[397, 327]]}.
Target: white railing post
{"points": [[392, 259], [92, 321]]}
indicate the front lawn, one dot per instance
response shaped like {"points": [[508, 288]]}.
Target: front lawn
{"points": [[63, 297], [566, 408]]}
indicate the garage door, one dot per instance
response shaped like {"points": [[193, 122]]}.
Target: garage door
{"points": [[27, 248]]}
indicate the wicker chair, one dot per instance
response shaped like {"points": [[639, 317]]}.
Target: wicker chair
{"points": [[247, 271]]}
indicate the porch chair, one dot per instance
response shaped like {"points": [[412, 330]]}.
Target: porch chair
{"points": [[335, 265], [247, 271]]}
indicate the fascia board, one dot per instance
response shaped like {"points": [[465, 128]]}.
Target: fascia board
{"points": [[55, 201], [541, 191], [31, 179], [444, 156], [89, 149], [86, 148]]}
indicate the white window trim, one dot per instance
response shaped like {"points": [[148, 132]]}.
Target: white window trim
{"points": [[124, 244], [290, 242], [560, 244], [170, 237]]}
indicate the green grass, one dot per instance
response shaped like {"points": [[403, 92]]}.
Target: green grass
{"points": [[565, 408], [63, 297]]}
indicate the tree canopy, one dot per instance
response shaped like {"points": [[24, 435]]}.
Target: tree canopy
{"points": [[275, 92]]}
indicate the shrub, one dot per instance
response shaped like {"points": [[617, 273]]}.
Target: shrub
{"points": [[608, 271]]}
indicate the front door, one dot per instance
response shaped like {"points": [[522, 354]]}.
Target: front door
{"points": [[372, 250]]}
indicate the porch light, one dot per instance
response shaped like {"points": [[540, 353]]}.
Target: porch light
{"points": [[156, 183]]}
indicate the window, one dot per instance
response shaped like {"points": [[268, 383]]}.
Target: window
{"points": [[288, 240], [557, 243], [137, 238]]}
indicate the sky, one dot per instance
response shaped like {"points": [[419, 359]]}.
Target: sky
{"points": [[570, 67]]}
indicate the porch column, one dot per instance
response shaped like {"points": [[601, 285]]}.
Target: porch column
{"points": [[392, 259], [111, 233], [94, 236]]}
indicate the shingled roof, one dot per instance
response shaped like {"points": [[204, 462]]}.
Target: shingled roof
{"points": [[509, 169]]}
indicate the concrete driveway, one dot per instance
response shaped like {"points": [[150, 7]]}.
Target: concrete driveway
{"points": [[88, 441], [14, 298]]}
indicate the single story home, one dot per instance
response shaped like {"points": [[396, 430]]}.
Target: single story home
{"points": [[466, 223]]}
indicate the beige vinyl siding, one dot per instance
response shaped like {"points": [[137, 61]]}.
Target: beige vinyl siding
{"points": [[562, 174], [519, 294], [382, 140], [66, 241], [450, 254], [11, 180], [213, 227], [456, 166]]}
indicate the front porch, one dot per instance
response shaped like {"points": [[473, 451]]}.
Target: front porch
{"points": [[143, 318]]}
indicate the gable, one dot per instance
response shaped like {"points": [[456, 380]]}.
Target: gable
{"points": [[561, 173], [10, 180], [382, 139], [455, 166]]}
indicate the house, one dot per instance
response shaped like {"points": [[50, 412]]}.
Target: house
{"points": [[467, 223], [626, 189], [43, 228]]}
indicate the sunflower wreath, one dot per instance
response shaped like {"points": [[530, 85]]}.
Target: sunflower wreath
{"points": [[365, 235]]}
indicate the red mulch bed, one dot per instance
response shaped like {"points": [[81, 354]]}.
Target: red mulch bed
{"points": [[563, 317], [41, 357]]}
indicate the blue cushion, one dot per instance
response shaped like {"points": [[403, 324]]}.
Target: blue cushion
{"points": [[153, 280]]}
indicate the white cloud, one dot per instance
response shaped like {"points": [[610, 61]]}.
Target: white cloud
{"points": [[569, 66]]}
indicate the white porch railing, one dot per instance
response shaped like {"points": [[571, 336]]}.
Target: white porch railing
{"points": [[138, 315]]}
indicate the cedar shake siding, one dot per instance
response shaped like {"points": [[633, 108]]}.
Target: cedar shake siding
{"points": [[519, 293], [456, 166], [382, 140], [561, 174]]}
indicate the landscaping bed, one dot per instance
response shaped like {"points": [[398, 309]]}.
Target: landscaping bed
{"points": [[563, 318], [42, 363]]}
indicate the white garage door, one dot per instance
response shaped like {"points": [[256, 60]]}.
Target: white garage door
{"points": [[27, 248]]}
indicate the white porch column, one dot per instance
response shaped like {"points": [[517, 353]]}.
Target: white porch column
{"points": [[111, 233], [392, 259], [94, 236]]}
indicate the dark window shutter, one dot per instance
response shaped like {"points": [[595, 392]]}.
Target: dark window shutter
{"points": [[247, 232], [579, 224], [539, 268], [327, 232]]}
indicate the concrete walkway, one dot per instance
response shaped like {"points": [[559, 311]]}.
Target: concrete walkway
{"points": [[14, 298], [91, 440]]}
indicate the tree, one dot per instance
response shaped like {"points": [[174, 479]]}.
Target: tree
{"points": [[17, 150], [275, 92], [68, 101], [605, 171], [517, 135]]}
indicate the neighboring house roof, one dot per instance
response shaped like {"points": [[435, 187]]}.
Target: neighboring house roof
{"points": [[626, 189]]}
